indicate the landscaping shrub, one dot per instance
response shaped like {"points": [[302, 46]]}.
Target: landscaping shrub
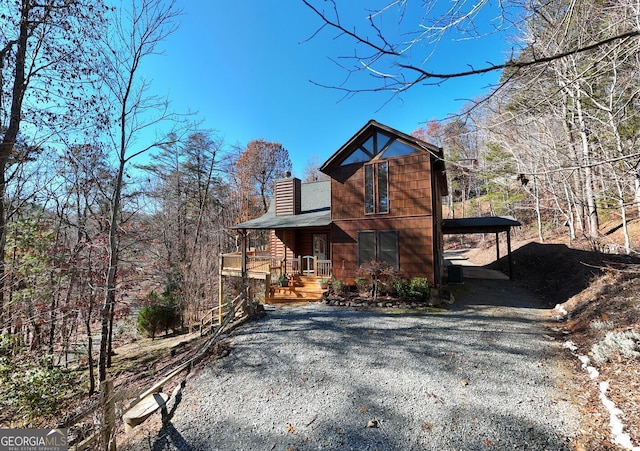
{"points": [[402, 288], [420, 288], [337, 287], [363, 284], [375, 277], [415, 288]]}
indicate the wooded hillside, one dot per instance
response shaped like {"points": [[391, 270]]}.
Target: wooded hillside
{"points": [[111, 202]]}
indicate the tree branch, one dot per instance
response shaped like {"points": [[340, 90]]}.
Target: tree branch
{"points": [[399, 82]]}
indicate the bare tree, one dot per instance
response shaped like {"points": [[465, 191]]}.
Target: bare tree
{"points": [[393, 49], [311, 172], [44, 48], [190, 198], [82, 206], [132, 36], [555, 119]]}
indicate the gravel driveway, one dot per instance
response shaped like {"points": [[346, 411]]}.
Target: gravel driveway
{"points": [[473, 377]]}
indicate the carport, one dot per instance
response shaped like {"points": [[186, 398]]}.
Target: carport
{"points": [[485, 224]]}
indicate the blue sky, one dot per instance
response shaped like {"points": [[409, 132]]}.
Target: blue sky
{"points": [[245, 67]]}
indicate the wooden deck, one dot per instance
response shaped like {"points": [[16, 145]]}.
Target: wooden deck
{"points": [[258, 266], [303, 289]]}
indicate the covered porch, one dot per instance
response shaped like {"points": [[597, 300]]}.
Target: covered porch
{"points": [[295, 268], [298, 224]]}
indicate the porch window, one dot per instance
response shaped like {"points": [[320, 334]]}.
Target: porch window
{"points": [[376, 187], [380, 245]]}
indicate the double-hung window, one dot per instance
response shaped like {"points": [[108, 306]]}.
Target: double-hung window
{"points": [[378, 245], [376, 187]]}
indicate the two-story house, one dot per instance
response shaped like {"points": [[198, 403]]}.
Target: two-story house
{"points": [[383, 202]]}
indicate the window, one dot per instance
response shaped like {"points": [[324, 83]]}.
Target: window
{"points": [[358, 156], [378, 145], [381, 245], [397, 149], [376, 187]]}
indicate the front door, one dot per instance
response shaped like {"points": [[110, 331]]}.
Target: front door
{"points": [[320, 246]]}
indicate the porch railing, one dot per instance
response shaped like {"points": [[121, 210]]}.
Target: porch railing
{"points": [[323, 268], [302, 265]]}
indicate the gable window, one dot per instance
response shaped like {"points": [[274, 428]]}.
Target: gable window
{"points": [[376, 187], [380, 245], [377, 146]]}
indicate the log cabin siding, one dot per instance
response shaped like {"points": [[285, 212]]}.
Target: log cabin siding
{"points": [[282, 241], [297, 242], [305, 239]]}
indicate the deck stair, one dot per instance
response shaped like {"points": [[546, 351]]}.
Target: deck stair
{"points": [[300, 289]]}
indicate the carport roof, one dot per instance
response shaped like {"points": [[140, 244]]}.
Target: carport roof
{"points": [[485, 224]]}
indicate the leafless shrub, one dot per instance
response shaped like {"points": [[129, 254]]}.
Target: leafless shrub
{"points": [[597, 324], [617, 344]]}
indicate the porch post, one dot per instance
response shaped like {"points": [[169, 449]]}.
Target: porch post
{"points": [[283, 264], [243, 256], [497, 246], [267, 286], [244, 284]]}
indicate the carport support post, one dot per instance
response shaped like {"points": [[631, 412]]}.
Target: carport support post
{"points": [[497, 246], [509, 253]]}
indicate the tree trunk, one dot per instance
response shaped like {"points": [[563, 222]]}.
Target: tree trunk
{"points": [[110, 283], [577, 175], [592, 210], [11, 134], [53, 318], [536, 196], [625, 229], [570, 216], [92, 378], [112, 314]]}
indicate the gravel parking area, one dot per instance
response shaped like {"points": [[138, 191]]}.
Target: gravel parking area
{"points": [[473, 377]]}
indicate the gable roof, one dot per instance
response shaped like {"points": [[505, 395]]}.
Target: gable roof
{"points": [[315, 199], [365, 133]]}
